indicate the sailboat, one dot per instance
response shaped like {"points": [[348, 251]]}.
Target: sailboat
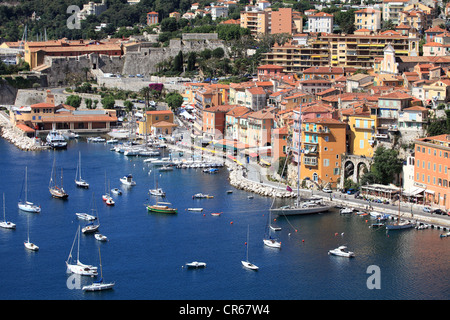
{"points": [[157, 191], [79, 181], [29, 245], [6, 224], [56, 191], [268, 240], [305, 207], [246, 263], [400, 224], [107, 196], [91, 227], [99, 285], [78, 267], [27, 205]]}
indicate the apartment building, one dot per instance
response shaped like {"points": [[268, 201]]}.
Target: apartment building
{"points": [[392, 9], [368, 18], [360, 51], [284, 20], [152, 18], [320, 22], [255, 19], [362, 127], [432, 169], [260, 125]]}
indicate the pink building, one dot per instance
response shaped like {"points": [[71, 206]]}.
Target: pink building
{"points": [[269, 70]]}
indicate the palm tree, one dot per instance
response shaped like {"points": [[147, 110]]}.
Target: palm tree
{"points": [[145, 92]]}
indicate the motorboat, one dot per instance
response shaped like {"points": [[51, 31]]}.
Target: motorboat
{"points": [[90, 228], [85, 216], [166, 168], [56, 140], [377, 215], [162, 207], [196, 264], [100, 237], [341, 252], [157, 192], [195, 209], [116, 191], [216, 214], [128, 180], [202, 196], [96, 139], [162, 162], [346, 211], [110, 201], [112, 141], [307, 207]]}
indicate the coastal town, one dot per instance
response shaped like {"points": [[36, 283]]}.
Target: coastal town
{"points": [[338, 97]]}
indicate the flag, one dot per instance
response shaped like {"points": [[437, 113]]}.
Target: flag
{"points": [[288, 189]]}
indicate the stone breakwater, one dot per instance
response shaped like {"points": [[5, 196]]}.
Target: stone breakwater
{"points": [[20, 141], [238, 181]]}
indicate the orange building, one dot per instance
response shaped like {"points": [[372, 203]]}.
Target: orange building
{"points": [[323, 144], [214, 120], [432, 169], [279, 143], [152, 18]]}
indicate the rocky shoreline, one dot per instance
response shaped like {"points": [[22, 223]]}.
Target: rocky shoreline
{"points": [[22, 142]]}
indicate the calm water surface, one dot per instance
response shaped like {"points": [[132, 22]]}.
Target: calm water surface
{"points": [[146, 252]]}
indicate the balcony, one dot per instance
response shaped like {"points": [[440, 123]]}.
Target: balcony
{"points": [[310, 161]]}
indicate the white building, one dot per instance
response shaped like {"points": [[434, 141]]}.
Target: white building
{"points": [[92, 8], [320, 22], [219, 12]]}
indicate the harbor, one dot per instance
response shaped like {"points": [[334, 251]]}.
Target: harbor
{"points": [[142, 244]]}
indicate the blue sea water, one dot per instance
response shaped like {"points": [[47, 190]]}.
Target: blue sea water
{"points": [[146, 252]]}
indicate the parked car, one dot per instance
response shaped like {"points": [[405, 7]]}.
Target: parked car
{"points": [[351, 191], [327, 190], [438, 211], [426, 209]]}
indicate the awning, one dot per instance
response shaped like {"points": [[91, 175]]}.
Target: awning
{"points": [[253, 154], [413, 192], [429, 191]]}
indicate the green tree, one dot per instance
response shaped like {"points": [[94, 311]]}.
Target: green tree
{"points": [[128, 105], [178, 62], [108, 102], [174, 100], [192, 57], [386, 165], [74, 101], [218, 53], [88, 103]]}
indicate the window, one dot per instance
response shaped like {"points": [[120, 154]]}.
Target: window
{"points": [[361, 144], [326, 162]]}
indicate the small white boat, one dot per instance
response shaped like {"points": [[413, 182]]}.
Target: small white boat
{"points": [[196, 264], [195, 209], [90, 228], [31, 246], [444, 235], [246, 263], [27, 205], [85, 216], [346, 211], [163, 162], [77, 266], [99, 285], [342, 252], [112, 141], [202, 196], [377, 215], [157, 192], [216, 214], [6, 224], [272, 243], [166, 168], [96, 139], [128, 180], [100, 237], [116, 191]]}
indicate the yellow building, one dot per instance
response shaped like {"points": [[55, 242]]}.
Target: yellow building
{"points": [[362, 124], [437, 91], [257, 21], [157, 122], [368, 18]]}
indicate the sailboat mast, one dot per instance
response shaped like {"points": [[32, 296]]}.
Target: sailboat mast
{"points": [[298, 154], [26, 184]]}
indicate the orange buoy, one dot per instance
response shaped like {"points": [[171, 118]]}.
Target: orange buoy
{"points": [[231, 222]]}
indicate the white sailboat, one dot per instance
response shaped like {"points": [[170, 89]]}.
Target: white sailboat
{"points": [[6, 224], [99, 285], [78, 267], [246, 263], [299, 208], [55, 190], [400, 224], [79, 181], [27, 205], [91, 227], [29, 245], [159, 192], [268, 240], [107, 196]]}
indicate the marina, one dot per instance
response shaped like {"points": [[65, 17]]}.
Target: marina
{"points": [[159, 243]]}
